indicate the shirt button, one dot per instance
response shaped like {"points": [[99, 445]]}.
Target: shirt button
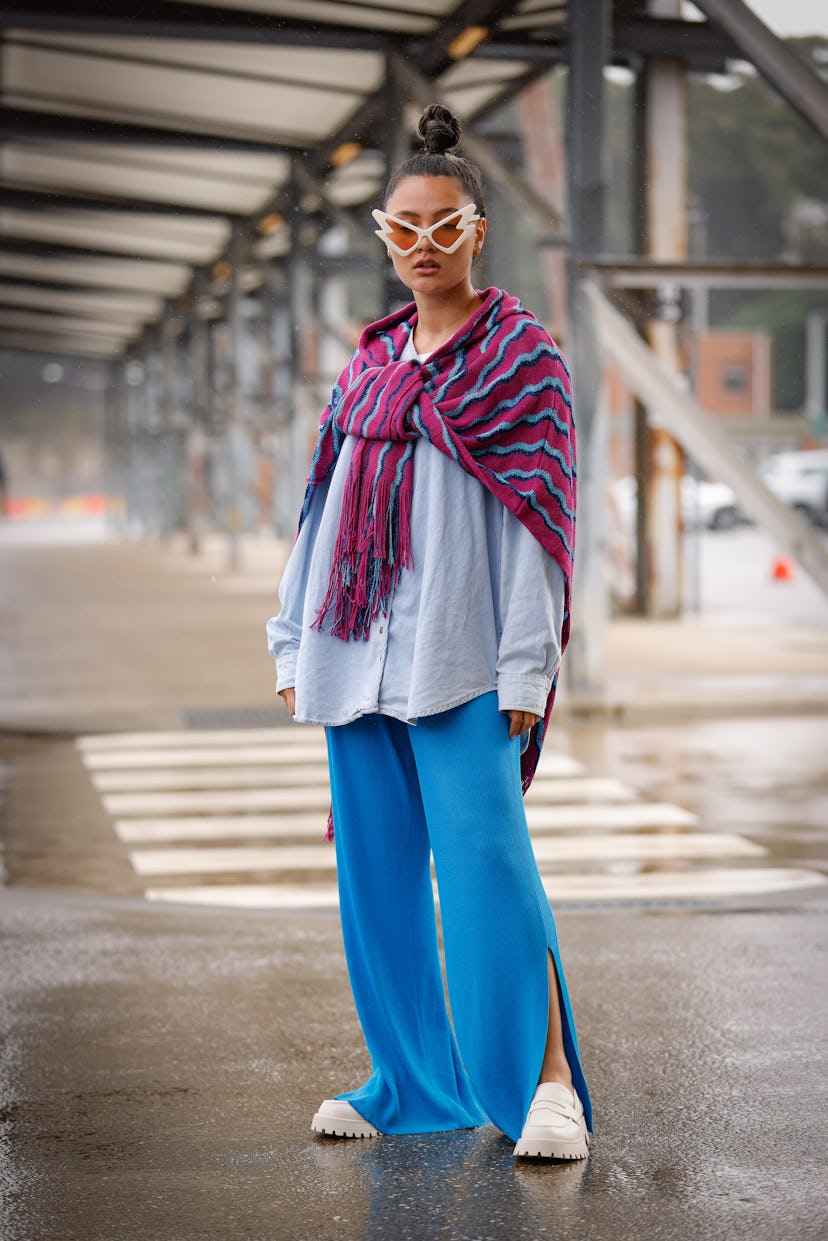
{"points": [[382, 628]]}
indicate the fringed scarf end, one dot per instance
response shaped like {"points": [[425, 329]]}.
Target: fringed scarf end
{"points": [[373, 547]]}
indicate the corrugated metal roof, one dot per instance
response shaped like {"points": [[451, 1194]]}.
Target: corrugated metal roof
{"points": [[132, 135]]}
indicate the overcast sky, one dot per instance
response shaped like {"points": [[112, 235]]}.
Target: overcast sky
{"points": [[790, 17]]}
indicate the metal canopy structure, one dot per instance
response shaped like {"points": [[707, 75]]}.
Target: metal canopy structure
{"points": [[132, 138], [185, 184]]}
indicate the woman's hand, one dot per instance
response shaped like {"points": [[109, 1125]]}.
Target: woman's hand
{"points": [[288, 696], [521, 722]]}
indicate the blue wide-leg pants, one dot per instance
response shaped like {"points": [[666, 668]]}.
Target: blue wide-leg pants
{"points": [[447, 786]]}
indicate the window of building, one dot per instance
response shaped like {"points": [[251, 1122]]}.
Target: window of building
{"points": [[735, 378]]}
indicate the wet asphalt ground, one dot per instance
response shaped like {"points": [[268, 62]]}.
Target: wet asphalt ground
{"points": [[159, 1065]]}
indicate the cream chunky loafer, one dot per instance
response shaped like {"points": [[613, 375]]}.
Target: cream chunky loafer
{"points": [[555, 1127], [338, 1119]]}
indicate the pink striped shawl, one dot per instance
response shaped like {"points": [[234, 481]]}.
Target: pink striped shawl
{"points": [[496, 398]]}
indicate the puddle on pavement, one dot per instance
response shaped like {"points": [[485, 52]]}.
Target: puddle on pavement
{"points": [[765, 779]]}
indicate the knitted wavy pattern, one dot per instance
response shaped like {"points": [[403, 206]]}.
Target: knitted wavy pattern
{"points": [[496, 398]]}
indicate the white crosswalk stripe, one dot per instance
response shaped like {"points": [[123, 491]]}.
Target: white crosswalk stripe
{"points": [[299, 774], [218, 806], [721, 882], [651, 816], [565, 849]]}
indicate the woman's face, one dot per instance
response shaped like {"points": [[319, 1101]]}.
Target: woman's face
{"points": [[423, 201]]}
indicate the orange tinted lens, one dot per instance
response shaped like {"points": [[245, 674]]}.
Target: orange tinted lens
{"points": [[446, 234], [401, 236]]}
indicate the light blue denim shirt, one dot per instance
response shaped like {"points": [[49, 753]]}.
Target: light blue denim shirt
{"points": [[480, 610]]}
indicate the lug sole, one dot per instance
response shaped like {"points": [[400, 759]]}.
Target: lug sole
{"points": [[538, 1148], [343, 1128]]}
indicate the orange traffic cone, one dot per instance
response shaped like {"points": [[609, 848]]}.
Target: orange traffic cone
{"points": [[782, 569]]}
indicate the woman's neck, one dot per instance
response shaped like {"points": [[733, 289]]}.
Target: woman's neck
{"points": [[439, 318]]}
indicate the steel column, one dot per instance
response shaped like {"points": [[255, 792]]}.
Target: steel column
{"points": [[702, 435], [113, 424], [196, 499], [546, 163], [233, 428], [663, 129], [304, 398], [167, 431], [816, 402], [525, 197], [589, 32], [396, 148]]}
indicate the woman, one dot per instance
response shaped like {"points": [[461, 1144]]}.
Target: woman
{"points": [[425, 608]]}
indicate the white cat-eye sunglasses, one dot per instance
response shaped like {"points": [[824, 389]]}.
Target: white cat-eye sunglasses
{"points": [[447, 234]]}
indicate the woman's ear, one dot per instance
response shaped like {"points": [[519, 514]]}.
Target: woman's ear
{"points": [[480, 233]]}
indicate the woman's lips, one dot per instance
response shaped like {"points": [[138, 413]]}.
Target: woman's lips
{"points": [[426, 265]]}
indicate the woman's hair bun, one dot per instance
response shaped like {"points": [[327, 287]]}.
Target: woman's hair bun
{"points": [[439, 129]]}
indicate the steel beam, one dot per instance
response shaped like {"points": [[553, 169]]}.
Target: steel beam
{"points": [[54, 249], [787, 72], [185, 21], [361, 234], [42, 200], [57, 343], [544, 217], [706, 274], [366, 122], [45, 321], [700, 434], [25, 125], [94, 281], [702, 46], [31, 298], [435, 57]]}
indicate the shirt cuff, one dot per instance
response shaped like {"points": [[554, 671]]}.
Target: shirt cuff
{"points": [[285, 672], [523, 692]]}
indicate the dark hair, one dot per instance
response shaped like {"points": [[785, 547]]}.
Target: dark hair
{"points": [[439, 131]]}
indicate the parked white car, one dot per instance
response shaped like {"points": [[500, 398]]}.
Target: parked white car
{"points": [[800, 479], [713, 505]]}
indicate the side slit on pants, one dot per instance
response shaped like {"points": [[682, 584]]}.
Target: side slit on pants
{"points": [[449, 785]]}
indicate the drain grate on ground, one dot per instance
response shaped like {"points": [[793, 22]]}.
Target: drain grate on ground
{"points": [[235, 717]]}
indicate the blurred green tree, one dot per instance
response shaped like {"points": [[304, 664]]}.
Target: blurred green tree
{"points": [[752, 161]]}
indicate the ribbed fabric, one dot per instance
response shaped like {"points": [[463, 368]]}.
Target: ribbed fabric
{"points": [[450, 785]]}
